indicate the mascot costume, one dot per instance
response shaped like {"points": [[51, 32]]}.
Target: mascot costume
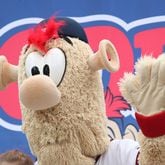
{"points": [[62, 100]]}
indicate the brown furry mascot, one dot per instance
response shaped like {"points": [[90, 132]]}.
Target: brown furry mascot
{"points": [[61, 94], [62, 101]]}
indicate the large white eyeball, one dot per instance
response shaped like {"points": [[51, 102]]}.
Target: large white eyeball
{"points": [[52, 64], [34, 64], [55, 65]]}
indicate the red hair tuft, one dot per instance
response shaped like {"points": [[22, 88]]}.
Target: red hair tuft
{"points": [[44, 32]]}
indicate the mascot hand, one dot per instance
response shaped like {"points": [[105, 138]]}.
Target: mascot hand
{"points": [[145, 90]]}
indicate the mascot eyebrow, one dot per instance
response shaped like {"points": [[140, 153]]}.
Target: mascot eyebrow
{"points": [[45, 31]]}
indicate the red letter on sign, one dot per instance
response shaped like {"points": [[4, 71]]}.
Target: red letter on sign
{"points": [[151, 41]]}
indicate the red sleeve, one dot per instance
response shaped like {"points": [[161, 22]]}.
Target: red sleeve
{"points": [[153, 125]]}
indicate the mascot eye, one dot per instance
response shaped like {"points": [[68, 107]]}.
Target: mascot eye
{"points": [[33, 64], [35, 70], [46, 70], [55, 64]]}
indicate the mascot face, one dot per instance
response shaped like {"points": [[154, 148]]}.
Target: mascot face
{"points": [[55, 66], [59, 73], [53, 62]]}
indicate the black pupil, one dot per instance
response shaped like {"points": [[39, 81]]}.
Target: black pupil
{"points": [[46, 70], [35, 70]]}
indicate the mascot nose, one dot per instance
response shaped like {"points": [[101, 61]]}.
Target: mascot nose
{"points": [[39, 92]]}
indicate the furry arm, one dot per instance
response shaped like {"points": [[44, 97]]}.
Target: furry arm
{"points": [[145, 90], [62, 154]]}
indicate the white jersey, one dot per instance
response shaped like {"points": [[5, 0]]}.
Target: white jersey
{"points": [[120, 152]]}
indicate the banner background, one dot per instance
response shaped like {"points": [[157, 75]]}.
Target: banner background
{"points": [[135, 28]]}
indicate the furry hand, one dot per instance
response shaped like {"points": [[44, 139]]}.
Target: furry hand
{"points": [[145, 90]]}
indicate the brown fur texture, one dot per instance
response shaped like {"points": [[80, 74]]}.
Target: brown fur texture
{"points": [[74, 131], [152, 150]]}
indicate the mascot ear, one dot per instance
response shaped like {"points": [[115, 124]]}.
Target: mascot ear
{"points": [[8, 72], [105, 58]]}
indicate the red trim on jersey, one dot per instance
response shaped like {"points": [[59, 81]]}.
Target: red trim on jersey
{"points": [[153, 125], [137, 158]]}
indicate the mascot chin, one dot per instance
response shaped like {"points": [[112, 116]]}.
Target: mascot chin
{"points": [[62, 100]]}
